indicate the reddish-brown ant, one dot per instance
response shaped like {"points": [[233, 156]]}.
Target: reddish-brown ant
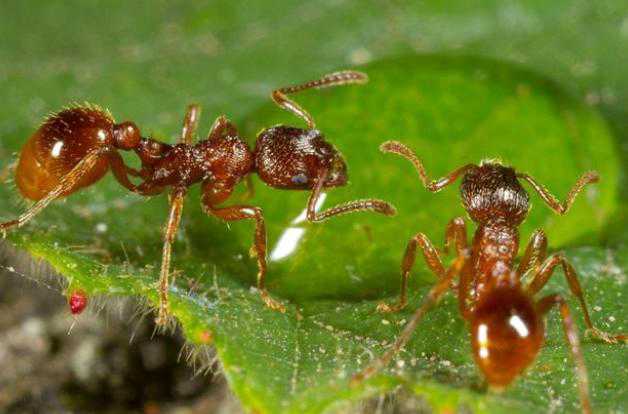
{"points": [[506, 322], [76, 147]]}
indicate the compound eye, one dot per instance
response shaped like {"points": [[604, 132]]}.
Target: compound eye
{"points": [[300, 179], [127, 136]]}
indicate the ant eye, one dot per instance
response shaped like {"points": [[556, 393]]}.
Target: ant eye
{"points": [[300, 179], [503, 249]]}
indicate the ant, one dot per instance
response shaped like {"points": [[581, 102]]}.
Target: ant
{"points": [[506, 322], [75, 148]]}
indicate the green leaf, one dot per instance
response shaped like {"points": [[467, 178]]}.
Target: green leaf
{"points": [[451, 111]]}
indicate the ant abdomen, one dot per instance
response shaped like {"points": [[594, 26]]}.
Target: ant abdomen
{"points": [[295, 158], [506, 334], [58, 146]]}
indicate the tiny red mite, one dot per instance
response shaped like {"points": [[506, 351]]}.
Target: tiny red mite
{"points": [[77, 302], [506, 322], [76, 147]]}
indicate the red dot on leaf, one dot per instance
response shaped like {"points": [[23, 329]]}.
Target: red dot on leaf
{"points": [[206, 337], [77, 302]]}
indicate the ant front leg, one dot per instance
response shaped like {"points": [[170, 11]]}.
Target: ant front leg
{"points": [[396, 147], [434, 295], [542, 277], [67, 184], [174, 219], [456, 235], [242, 212], [571, 333], [432, 259], [346, 77], [589, 177], [371, 204]]}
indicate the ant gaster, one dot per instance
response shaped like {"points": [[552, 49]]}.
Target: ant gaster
{"points": [[506, 322], [75, 148]]}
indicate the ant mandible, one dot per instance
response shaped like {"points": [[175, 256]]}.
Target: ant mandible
{"points": [[506, 322], [75, 148]]}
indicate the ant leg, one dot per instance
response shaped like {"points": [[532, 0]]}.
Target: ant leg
{"points": [[372, 204], [250, 189], [432, 259], [68, 182], [396, 147], [190, 123], [121, 171], [6, 171], [434, 295], [589, 177], [345, 77], [222, 128], [235, 213], [456, 234], [544, 305], [543, 276], [174, 218], [535, 253]]}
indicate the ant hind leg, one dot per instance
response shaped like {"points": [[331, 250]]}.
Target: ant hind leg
{"points": [[5, 173], [571, 333], [174, 219], [433, 296], [67, 184]]}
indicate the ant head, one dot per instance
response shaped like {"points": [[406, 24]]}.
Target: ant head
{"points": [[506, 334], [126, 136], [491, 193], [294, 158]]}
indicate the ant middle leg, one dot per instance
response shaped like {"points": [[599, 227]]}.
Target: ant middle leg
{"points": [[190, 124], [243, 212], [396, 147], [174, 219], [542, 277], [534, 255], [67, 184], [433, 296], [571, 333], [222, 128], [345, 77], [561, 208], [371, 204]]}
